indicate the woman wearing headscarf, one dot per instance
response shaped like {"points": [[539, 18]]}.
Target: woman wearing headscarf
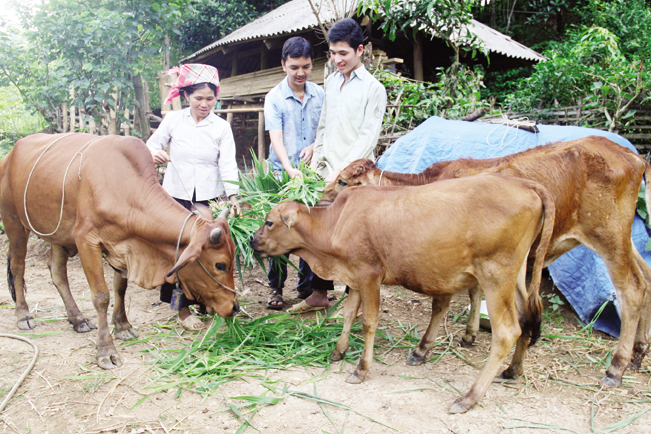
{"points": [[201, 155]]}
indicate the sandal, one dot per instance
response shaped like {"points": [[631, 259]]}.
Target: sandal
{"points": [[275, 301], [191, 323]]}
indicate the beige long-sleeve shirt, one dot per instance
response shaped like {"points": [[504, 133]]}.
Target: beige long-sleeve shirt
{"points": [[351, 120]]}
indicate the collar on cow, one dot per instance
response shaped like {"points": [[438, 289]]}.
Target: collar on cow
{"points": [[178, 245]]}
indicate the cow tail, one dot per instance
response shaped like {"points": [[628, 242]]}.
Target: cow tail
{"points": [[534, 304], [10, 279]]}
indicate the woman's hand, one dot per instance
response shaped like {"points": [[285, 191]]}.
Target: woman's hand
{"points": [[160, 157], [236, 210]]}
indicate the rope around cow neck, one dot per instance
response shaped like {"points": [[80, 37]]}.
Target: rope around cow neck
{"points": [[379, 183], [178, 246], [63, 186]]}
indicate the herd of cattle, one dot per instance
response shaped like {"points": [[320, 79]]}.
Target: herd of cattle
{"points": [[476, 225]]}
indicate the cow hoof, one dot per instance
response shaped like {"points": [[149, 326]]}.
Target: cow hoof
{"points": [[84, 326], [609, 382], [336, 355], [639, 352], [109, 362], [415, 360], [457, 408], [26, 323], [126, 334], [467, 342], [506, 374], [354, 379]]}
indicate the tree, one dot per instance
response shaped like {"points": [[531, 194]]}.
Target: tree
{"points": [[210, 20], [97, 48]]}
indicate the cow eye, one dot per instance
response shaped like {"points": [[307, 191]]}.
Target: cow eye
{"points": [[269, 223], [342, 183], [220, 266]]}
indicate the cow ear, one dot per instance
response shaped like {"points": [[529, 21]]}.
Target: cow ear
{"points": [[289, 218], [191, 253]]}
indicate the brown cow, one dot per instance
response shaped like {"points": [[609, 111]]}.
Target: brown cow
{"points": [[99, 196], [595, 184], [435, 239]]}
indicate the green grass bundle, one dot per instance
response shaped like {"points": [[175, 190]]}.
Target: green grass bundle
{"points": [[247, 348], [261, 189]]}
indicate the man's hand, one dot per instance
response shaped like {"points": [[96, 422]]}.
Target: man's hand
{"points": [[333, 175], [306, 153], [236, 210], [160, 157], [293, 172]]}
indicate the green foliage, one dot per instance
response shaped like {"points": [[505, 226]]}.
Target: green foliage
{"points": [[260, 190], [500, 84], [452, 97], [447, 19], [211, 20], [589, 70], [15, 120], [630, 20], [97, 47]]}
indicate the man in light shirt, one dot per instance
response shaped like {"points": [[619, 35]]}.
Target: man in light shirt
{"points": [[354, 105], [291, 111], [351, 117]]}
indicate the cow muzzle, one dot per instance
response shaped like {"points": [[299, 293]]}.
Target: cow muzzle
{"points": [[236, 308], [255, 244]]}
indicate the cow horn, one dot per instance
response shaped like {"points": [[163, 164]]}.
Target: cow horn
{"points": [[224, 213], [215, 236]]}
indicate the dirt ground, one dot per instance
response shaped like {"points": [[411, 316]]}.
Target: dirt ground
{"points": [[67, 392]]}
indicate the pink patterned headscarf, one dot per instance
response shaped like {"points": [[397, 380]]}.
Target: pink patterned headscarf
{"points": [[189, 74]]}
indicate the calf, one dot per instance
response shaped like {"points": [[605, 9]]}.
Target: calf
{"points": [[595, 184], [436, 239]]}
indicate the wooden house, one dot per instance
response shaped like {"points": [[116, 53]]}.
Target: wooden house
{"points": [[248, 59]]}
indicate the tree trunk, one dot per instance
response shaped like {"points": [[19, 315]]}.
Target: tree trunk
{"points": [[141, 108]]}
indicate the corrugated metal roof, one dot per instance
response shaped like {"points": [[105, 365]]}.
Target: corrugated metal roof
{"points": [[503, 44], [297, 15]]}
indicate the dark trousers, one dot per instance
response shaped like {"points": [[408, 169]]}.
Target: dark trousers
{"points": [[278, 275], [167, 288]]}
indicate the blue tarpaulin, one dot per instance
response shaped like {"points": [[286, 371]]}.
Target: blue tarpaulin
{"points": [[580, 274]]}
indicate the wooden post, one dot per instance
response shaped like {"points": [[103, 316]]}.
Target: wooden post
{"points": [[234, 67], [163, 81], [229, 116], [263, 57], [64, 116], [141, 112], [127, 126], [145, 86], [113, 117], [418, 57], [261, 141], [166, 54], [72, 110]]}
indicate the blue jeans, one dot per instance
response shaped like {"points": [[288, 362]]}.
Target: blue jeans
{"points": [[278, 275]]}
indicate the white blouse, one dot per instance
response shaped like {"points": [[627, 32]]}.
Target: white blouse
{"points": [[202, 154]]}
